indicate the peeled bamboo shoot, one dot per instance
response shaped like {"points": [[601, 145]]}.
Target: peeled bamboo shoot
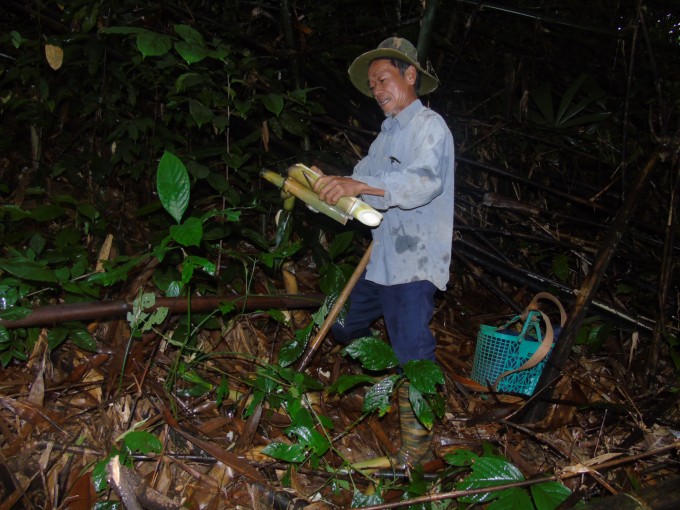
{"points": [[300, 182]]}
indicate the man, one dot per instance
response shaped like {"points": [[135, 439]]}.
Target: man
{"points": [[408, 175]]}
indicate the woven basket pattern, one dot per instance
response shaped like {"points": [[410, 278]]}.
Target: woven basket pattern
{"points": [[501, 349]]}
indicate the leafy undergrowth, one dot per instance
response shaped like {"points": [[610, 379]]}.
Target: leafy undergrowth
{"points": [[221, 424], [207, 409]]}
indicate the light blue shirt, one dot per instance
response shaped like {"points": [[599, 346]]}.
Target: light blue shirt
{"points": [[412, 159]]}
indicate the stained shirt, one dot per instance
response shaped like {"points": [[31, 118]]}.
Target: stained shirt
{"points": [[412, 159]]}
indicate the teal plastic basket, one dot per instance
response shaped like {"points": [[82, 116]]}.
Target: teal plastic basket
{"points": [[500, 349]]}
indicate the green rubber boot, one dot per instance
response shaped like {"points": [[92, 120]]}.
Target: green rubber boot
{"points": [[415, 438]]}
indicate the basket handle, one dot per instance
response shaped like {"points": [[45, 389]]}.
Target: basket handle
{"points": [[533, 306], [544, 348]]}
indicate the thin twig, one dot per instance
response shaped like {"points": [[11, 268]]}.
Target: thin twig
{"points": [[526, 483]]}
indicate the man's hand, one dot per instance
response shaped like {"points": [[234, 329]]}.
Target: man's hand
{"points": [[331, 188]]}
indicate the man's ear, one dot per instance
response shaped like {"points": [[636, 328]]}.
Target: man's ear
{"points": [[411, 75]]}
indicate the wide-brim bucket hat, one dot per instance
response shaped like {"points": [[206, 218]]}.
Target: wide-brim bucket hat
{"points": [[392, 47]]}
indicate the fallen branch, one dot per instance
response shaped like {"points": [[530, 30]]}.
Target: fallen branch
{"points": [[48, 315], [569, 472], [133, 490]]}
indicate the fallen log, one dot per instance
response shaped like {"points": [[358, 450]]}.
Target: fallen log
{"points": [[49, 315]]}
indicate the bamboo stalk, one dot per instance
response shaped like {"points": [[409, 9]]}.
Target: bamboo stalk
{"points": [[299, 183], [48, 315], [585, 295], [293, 187]]}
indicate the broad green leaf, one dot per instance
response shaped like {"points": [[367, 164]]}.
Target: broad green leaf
{"points": [[189, 233], [293, 123], [47, 212], [115, 274], [28, 270], [16, 38], [172, 182], [4, 335], [222, 391], [424, 375], [461, 458], [511, 499], [291, 351], [347, 382], [56, 336], [14, 213], [174, 289], [99, 474], [300, 379], [151, 44], [340, 244], [15, 313], [378, 397], [273, 103], [542, 97], [197, 170], [373, 353], [191, 263], [194, 377], [191, 53], [280, 254], [149, 320], [488, 472], [284, 227], [304, 428], [560, 267], [549, 495], [83, 339], [218, 181], [192, 391], [567, 99], [190, 34], [200, 113], [333, 279], [89, 211], [37, 243], [220, 53], [187, 80], [142, 442], [286, 452], [421, 407], [359, 499]]}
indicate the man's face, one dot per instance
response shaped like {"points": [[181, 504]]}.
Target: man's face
{"points": [[391, 90]]}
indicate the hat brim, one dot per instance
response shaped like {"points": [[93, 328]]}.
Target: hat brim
{"points": [[358, 71]]}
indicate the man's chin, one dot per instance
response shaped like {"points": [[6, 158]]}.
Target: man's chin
{"points": [[389, 112]]}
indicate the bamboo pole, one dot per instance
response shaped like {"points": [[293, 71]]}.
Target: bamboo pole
{"points": [[665, 279], [48, 315]]}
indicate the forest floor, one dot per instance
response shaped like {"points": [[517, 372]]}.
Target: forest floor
{"points": [[65, 411]]}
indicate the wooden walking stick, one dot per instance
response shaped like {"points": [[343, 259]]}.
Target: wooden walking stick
{"points": [[300, 184], [335, 310]]}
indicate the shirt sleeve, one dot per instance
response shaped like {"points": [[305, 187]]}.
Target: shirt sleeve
{"points": [[420, 178]]}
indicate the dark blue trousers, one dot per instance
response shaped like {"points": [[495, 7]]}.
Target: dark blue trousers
{"points": [[407, 309]]}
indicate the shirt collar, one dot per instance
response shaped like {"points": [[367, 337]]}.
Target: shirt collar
{"points": [[404, 116]]}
